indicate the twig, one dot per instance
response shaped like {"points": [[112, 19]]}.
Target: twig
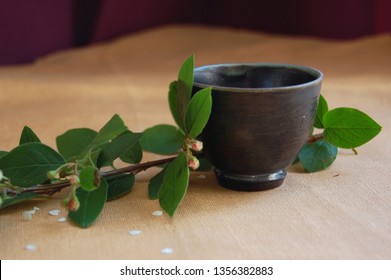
{"points": [[314, 138], [50, 189], [137, 167]]}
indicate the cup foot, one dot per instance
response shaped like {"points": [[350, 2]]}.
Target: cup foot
{"points": [[250, 183]]}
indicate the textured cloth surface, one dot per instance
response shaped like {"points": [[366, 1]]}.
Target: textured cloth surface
{"points": [[343, 212]]}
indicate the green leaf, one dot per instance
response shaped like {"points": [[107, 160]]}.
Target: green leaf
{"points": [[198, 112], [28, 136], [3, 153], [120, 145], [119, 185], [173, 102], [323, 108], [349, 128], [155, 183], [89, 178], [19, 199], [113, 128], [162, 139], [73, 142], [91, 205], [174, 186], [184, 88], [91, 159], [317, 156], [28, 164], [133, 154]]}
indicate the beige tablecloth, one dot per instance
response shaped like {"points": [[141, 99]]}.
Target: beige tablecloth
{"points": [[343, 212]]}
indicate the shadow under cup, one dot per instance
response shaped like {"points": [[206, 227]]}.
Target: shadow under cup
{"points": [[262, 114]]}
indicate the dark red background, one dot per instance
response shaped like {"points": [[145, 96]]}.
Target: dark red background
{"points": [[29, 29]]}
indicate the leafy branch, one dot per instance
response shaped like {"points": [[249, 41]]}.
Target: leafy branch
{"points": [[85, 159], [51, 189], [346, 128], [35, 170]]}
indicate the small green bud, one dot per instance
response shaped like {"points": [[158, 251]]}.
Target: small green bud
{"points": [[193, 144], [52, 174], [73, 204], [74, 180], [1, 175], [196, 145], [193, 163]]}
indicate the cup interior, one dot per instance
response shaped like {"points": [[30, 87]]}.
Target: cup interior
{"points": [[254, 76]]}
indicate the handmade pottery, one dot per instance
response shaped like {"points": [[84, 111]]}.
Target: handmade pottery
{"points": [[261, 116]]}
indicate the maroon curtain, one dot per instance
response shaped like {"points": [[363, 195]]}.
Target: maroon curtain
{"points": [[339, 19], [29, 29], [382, 16], [118, 17]]}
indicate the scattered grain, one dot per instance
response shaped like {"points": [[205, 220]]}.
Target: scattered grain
{"points": [[157, 213], [31, 247], [135, 232], [27, 215], [54, 212], [167, 251]]}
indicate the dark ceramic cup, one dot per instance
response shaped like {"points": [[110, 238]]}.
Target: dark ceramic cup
{"points": [[261, 116]]}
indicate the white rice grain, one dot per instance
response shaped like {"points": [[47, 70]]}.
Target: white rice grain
{"points": [[54, 212], [27, 215], [31, 247], [167, 251], [157, 213], [135, 232]]}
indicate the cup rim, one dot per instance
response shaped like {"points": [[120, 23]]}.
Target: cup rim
{"points": [[312, 71]]}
